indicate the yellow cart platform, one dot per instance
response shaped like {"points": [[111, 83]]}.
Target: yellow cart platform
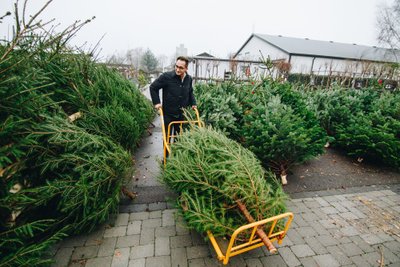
{"points": [[235, 245]]}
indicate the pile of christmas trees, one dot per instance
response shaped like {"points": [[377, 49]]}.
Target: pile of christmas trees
{"points": [[68, 126], [213, 176], [269, 118], [364, 123]]}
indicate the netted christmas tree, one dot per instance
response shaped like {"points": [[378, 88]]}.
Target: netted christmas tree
{"points": [[212, 174]]}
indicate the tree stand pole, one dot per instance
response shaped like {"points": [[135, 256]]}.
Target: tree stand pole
{"points": [[260, 232]]}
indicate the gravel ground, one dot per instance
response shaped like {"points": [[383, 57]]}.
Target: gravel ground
{"points": [[335, 170]]}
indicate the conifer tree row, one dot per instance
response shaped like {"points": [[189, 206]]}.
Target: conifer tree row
{"points": [[68, 127]]}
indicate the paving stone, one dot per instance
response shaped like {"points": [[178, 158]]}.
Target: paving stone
{"points": [[181, 227], [349, 231], [236, 261], [254, 262], [120, 258], [339, 207], [286, 242], [180, 241], [357, 213], [140, 208], [84, 252], [312, 204], [178, 257], [322, 202], [393, 246], [197, 252], [347, 203], [75, 241], [95, 238], [168, 217], [155, 214], [302, 251], [160, 261], [77, 263], [255, 253], [197, 262], [348, 216], [326, 260], [157, 206], [288, 256], [321, 215], [339, 255], [388, 256], [142, 251], [122, 219], [343, 240], [359, 261], [107, 247], [162, 247], [384, 237], [99, 262], [138, 216], [351, 249], [309, 262], [330, 199], [300, 221], [372, 258], [115, 231], [361, 244], [295, 237], [371, 239], [329, 224], [389, 201], [338, 220], [301, 207], [146, 236], [326, 240], [62, 257], [329, 210], [309, 217], [151, 223], [127, 241], [137, 263], [134, 228], [315, 245], [319, 229], [165, 231]]}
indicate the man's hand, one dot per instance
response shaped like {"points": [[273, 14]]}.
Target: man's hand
{"points": [[194, 107], [157, 106]]}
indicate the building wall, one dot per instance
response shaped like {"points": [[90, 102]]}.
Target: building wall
{"points": [[217, 69], [310, 64], [251, 51]]}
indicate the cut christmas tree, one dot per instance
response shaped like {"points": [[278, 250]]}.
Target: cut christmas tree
{"points": [[213, 176]]}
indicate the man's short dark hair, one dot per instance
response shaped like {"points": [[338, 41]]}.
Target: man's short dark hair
{"points": [[183, 59]]}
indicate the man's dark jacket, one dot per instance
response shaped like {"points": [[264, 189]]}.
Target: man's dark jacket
{"points": [[177, 94]]}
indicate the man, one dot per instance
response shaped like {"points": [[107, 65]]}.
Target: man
{"points": [[177, 92]]}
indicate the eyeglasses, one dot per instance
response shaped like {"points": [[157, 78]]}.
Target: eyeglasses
{"points": [[180, 67]]}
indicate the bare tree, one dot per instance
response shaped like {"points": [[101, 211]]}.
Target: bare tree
{"points": [[134, 57], [388, 22]]}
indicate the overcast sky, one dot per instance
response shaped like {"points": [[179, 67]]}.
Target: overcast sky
{"points": [[214, 26]]}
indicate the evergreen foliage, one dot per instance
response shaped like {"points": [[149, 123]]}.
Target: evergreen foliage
{"points": [[365, 123], [59, 177], [269, 118], [219, 107], [210, 172]]}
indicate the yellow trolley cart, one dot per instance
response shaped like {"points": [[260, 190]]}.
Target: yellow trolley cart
{"points": [[236, 245]]}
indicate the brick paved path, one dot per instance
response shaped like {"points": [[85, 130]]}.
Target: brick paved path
{"points": [[338, 230], [352, 227]]}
